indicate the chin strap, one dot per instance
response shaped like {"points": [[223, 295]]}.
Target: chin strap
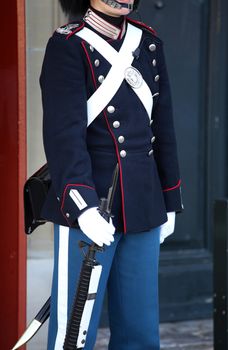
{"points": [[117, 5]]}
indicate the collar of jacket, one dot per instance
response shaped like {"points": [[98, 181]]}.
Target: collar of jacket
{"points": [[103, 27]]}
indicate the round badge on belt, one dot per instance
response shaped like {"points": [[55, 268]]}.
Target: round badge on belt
{"points": [[133, 77]]}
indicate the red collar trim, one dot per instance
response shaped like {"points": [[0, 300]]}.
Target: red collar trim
{"points": [[104, 27]]}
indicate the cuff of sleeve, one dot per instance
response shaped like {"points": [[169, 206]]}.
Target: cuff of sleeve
{"points": [[173, 199], [76, 199]]}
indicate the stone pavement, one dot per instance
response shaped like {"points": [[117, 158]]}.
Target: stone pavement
{"points": [[187, 335]]}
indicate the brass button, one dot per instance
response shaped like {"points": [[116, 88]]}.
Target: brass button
{"points": [[121, 139], [151, 122], [152, 47], [157, 77], [153, 139], [154, 63], [116, 124], [123, 153], [96, 63], [101, 79], [67, 215], [150, 152], [91, 48], [111, 109]]}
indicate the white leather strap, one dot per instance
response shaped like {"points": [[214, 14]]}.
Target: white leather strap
{"points": [[145, 96], [105, 49], [119, 61]]}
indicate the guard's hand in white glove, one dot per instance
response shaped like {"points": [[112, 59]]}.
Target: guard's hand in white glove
{"points": [[94, 226], [167, 228]]}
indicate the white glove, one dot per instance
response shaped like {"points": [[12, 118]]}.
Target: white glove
{"points": [[96, 227], [167, 228]]}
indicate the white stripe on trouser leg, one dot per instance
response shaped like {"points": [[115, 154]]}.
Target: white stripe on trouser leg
{"points": [[62, 299]]}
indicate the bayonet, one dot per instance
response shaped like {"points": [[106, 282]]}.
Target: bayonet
{"points": [[35, 325], [105, 210]]}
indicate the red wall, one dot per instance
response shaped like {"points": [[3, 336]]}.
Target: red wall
{"points": [[12, 173]]}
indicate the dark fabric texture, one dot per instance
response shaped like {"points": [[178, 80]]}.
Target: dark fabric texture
{"points": [[84, 159], [132, 281]]}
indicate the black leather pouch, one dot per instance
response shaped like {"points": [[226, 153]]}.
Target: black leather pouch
{"points": [[35, 193]]}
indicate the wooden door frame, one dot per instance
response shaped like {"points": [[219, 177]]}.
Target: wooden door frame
{"points": [[12, 172]]}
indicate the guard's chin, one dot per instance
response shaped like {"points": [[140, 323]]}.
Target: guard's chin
{"points": [[125, 11]]}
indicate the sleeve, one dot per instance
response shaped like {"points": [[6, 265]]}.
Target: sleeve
{"points": [[165, 148], [64, 98]]}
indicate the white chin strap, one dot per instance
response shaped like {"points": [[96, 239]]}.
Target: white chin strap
{"points": [[117, 5]]}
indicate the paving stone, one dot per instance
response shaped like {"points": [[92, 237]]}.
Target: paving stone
{"points": [[187, 335]]}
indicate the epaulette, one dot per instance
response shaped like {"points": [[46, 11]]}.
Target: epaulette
{"points": [[142, 25], [70, 28]]}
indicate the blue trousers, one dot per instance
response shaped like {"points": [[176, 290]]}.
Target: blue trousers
{"points": [[130, 272]]}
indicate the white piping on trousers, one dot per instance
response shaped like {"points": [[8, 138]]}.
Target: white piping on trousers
{"points": [[62, 297]]}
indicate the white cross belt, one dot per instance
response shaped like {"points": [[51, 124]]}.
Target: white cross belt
{"points": [[121, 69]]}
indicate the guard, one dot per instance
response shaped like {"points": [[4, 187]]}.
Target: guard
{"points": [[106, 100]]}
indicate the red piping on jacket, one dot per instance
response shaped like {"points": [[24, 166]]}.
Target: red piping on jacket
{"points": [[113, 137], [173, 188], [75, 31], [121, 173], [72, 185], [64, 195], [142, 25], [90, 64]]}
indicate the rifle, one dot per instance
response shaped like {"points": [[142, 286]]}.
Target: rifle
{"points": [[78, 324]]}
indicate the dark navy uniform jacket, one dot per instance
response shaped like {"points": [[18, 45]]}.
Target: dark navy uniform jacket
{"points": [[82, 158]]}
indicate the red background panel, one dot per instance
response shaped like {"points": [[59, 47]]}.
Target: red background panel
{"points": [[12, 172]]}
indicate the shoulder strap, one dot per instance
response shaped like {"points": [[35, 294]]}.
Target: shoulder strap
{"points": [[102, 46], [120, 62]]}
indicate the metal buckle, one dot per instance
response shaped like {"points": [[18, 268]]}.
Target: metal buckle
{"points": [[133, 77]]}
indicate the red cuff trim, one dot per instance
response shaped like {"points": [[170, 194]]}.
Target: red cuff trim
{"points": [[173, 188], [73, 185]]}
